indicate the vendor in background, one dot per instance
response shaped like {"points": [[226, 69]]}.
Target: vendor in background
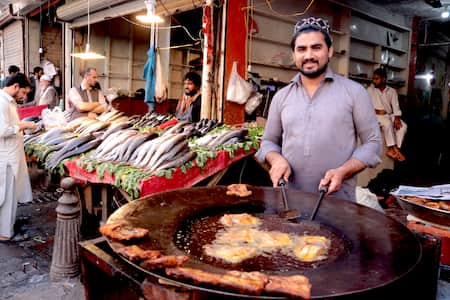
{"points": [[385, 102], [14, 179], [12, 70], [188, 107], [86, 100], [47, 92], [311, 135], [34, 79]]}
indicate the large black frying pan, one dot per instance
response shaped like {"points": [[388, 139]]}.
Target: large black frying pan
{"points": [[375, 250]]}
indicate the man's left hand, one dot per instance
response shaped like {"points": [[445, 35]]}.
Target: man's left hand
{"points": [[333, 179]]}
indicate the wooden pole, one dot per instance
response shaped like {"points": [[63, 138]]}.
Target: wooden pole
{"points": [[207, 75]]}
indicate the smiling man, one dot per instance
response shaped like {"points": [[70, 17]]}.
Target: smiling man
{"points": [[311, 134]]}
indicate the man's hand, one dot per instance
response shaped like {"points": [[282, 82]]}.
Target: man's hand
{"points": [[27, 125], [397, 123], [92, 115], [333, 179], [279, 167]]}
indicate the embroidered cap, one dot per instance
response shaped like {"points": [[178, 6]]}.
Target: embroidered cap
{"points": [[312, 22]]}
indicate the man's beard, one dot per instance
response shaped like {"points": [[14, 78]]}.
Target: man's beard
{"points": [[316, 73], [190, 93]]}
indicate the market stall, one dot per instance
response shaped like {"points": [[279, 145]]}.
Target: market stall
{"points": [[140, 155]]}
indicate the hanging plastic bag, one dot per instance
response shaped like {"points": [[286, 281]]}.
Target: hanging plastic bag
{"points": [[253, 102], [53, 118], [238, 88], [160, 85]]}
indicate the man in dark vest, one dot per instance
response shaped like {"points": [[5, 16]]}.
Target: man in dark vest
{"points": [[86, 100]]}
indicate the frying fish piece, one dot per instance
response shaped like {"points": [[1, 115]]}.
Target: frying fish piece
{"points": [[296, 285], [273, 240], [169, 261], [250, 282], [238, 189], [122, 232], [237, 236], [135, 253], [239, 219], [198, 276], [311, 248], [230, 253], [310, 252]]}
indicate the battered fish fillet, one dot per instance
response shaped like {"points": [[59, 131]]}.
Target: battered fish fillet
{"points": [[239, 219], [311, 248], [239, 190], [310, 252], [237, 236], [229, 253], [122, 232], [296, 285], [169, 261], [135, 252], [271, 240], [250, 282]]}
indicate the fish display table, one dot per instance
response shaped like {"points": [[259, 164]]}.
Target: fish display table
{"points": [[155, 184]]}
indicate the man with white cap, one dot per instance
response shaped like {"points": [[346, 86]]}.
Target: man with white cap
{"points": [[48, 94]]}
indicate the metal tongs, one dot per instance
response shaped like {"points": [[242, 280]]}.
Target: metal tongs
{"points": [[288, 214], [291, 214], [322, 191]]}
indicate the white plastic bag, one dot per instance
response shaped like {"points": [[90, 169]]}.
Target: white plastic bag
{"points": [[238, 88], [160, 84], [53, 118], [253, 102], [367, 198]]}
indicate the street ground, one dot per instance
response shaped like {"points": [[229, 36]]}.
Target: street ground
{"points": [[25, 261]]}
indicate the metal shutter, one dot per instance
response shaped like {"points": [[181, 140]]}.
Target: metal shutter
{"points": [[13, 47]]}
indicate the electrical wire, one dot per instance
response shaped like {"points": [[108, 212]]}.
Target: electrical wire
{"points": [[178, 46], [40, 27], [269, 5], [88, 24], [289, 15], [196, 40]]}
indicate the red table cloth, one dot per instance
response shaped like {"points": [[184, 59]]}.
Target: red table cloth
{"points": [[155, 184]]}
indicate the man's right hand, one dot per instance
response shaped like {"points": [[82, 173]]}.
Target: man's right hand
{"points": [[27, 125], [279, 167]]}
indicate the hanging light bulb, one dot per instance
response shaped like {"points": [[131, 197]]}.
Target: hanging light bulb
{"points": [[445, 14], [150, 17], [88, 54]]}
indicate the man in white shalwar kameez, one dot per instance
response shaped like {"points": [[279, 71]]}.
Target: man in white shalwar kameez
{"points": [[385, 101], [14, 179]]}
